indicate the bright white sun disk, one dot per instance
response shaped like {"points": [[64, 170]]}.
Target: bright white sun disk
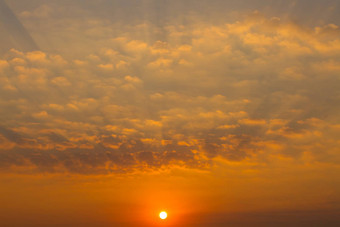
{"points": [[163, 215]]}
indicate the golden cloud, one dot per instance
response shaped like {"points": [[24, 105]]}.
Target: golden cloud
{"points": [[231, 91]]}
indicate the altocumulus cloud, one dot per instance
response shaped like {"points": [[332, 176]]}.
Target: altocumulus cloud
{"points": [[246, 90]]}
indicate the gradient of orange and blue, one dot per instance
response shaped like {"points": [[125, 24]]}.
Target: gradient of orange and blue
{"points": [[219, 112]]}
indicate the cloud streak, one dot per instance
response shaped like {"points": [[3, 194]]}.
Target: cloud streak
{"points": [[13, 33]]}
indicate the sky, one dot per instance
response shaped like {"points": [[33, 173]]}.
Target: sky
{"points": [[222, 113]]}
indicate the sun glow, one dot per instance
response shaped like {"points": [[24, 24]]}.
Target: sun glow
{"points": [[163, 215]]}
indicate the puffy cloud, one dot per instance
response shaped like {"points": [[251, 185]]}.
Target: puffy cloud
{"points": [[245, 90]]}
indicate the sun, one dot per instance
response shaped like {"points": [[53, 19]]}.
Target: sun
{"points": [[163, 215]]}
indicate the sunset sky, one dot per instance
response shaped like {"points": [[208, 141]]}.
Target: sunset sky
{"points": [[219, 112]]}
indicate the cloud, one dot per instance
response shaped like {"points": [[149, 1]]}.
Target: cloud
{"points": [[245, 90]]}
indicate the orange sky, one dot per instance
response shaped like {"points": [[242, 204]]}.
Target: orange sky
{"points": [[220, 113], [232, 195]]}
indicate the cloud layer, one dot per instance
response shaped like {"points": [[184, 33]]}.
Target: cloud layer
{"points": [[244, 90]]}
